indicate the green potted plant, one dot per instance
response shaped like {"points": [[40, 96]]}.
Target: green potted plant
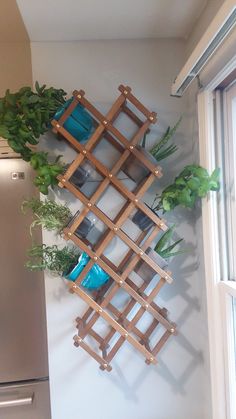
{"points": [[160, 254], [192, 183], [26, 114], [66, 262], [52, 258], [160, 151], [55, 217]]}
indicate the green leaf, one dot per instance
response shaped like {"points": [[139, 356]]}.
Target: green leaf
{"points": [[37, 87], [164, 140], [166, 237], [166, 204], [215, 175], [171, 254], [33, 99], [214, 185], [193, 183], [184, 197], [4, 131]]}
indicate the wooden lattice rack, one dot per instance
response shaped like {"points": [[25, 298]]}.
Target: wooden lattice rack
{"points": [[100, 303]]}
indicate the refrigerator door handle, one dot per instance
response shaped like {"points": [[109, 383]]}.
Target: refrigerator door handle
{"points": [[23, 401]]}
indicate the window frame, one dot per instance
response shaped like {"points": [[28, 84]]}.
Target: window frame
{"points": [[219, 290]]}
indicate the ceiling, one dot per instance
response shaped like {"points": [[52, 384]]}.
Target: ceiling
{"points": [[73, 20]]}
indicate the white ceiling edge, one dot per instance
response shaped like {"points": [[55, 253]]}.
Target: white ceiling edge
{"points": [[76, 20]]}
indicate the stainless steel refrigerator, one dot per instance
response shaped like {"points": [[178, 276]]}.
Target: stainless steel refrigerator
{"points": [[24, 389]]}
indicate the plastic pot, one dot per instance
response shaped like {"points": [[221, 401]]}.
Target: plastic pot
{"points": [[79, 123], [86, 226], [94, 279], [135, 169], [81, 174], [145, 271], [142, 220]]}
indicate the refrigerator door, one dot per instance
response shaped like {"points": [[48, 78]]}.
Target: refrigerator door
{"points": [[23, 344], [26, 401]]}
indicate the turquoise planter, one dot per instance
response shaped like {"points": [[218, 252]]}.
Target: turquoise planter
{"points": [[79, 123], [94, 279]]}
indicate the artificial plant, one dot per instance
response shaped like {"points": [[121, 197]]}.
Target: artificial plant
{"points": [[24, 116], [52, 258]]}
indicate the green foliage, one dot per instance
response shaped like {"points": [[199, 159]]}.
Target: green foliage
{"points": [[159, 150], [48, 214], [24, 116], [192, 183], [46, 172], [162, 247], [53, 259]]}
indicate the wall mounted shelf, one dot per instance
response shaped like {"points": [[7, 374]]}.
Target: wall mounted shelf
{"points": [[100, 303]]}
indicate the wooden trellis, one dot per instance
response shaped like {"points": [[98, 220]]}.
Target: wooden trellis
{"points": [[100, 302]]}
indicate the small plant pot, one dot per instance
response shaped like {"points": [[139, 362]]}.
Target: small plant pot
{"points": [[145, 271], [94, 279], [142, 220], [79, 123], [82, 174], [79, 177], [135, 169], [86, 226]]}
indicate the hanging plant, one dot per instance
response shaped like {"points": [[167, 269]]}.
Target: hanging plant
{"points": [[192, 183], [24, 116], [52, 258], [55, 217], [66, 262], [48, 214]]}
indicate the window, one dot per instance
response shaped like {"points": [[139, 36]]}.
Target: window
{"points": [[217, 132], [228, 286], [229, 151]]}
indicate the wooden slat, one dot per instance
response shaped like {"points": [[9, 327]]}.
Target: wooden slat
{"points": [[114, 323], [136, 102], [123, 284], [115, 230], [100, 302], [79, 342]]}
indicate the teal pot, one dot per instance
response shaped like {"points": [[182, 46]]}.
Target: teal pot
{"points": [[145, 271], [79, 123], [94, 279], [135, 169], [142, 220]]}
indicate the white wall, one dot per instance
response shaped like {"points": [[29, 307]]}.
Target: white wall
{"points": [[178, 387]]}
